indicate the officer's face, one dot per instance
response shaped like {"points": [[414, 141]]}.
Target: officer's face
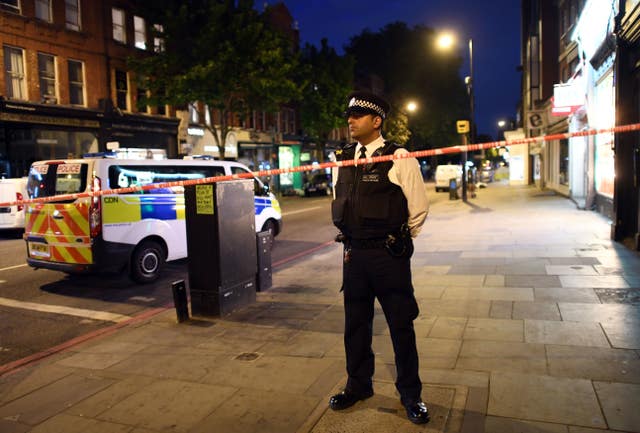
{"points": [[364, 127]]}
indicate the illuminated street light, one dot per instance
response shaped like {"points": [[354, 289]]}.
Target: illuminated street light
{"points": [[445, 42], [501, 123], [412, 106]]}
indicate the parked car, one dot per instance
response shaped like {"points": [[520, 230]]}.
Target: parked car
{"points": [[446, 172], [318, 184], [12, 217]]}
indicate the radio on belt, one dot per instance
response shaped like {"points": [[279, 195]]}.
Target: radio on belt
{"points": [[221, 246]]}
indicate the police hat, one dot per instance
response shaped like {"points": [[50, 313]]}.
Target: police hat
{"points": [[366, 103]]}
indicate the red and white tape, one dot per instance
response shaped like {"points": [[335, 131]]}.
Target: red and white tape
{"points": [[310, 167]]}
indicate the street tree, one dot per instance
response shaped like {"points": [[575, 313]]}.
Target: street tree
{"points": [[325, 79], [411, 68], [221, 53]]}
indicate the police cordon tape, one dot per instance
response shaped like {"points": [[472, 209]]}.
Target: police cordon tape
{"points": [[249, 175]]}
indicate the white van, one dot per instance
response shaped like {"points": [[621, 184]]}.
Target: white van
{"points": [[12, 217], [444, 173], [137, 231]]}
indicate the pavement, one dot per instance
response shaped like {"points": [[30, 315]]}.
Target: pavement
{"points": [[530, 322]]}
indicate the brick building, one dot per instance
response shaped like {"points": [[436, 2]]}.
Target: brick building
{"points": [[66, 90]]}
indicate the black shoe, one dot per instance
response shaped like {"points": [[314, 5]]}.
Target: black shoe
{"points": [[417, 413], [346, 399]]}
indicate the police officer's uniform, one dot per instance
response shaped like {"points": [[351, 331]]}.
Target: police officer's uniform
{"points": [[373, 201]]}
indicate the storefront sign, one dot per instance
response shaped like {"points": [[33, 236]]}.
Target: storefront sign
{"points": [[567, 98], [49, 120]]}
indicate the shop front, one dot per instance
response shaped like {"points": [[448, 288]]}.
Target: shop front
{"points": [[31, 132]]}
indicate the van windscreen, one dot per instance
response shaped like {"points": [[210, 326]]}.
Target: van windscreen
{"points": [[46, 180]]}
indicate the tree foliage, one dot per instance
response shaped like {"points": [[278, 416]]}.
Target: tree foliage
{"points": [[325, 79], [412, 69], [222, 53]]}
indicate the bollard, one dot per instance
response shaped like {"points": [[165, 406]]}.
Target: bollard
{"points": [[180, 300]]}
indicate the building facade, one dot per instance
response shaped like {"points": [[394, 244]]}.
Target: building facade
{"points": [[593, 70], [66, 89]]}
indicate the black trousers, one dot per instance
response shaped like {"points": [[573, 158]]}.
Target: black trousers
{"points": [[370, 274]]}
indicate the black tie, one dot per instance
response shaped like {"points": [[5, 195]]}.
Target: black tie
{"points": [[363, 152]]}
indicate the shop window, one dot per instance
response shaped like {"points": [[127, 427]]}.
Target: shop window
{"points": [[47, 76], [122, 89], [563, 162], [43, 10], [10, 5], [14, 72], [76, 82], [72, 14], [140, 33], [119, 30]]}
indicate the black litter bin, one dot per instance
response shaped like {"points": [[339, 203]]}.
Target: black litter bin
{"points": [[453, 189]]}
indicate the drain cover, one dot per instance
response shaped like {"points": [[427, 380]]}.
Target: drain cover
{"points": [[247, 356]]}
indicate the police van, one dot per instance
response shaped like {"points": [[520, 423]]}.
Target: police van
{"points": [[136, 231]]}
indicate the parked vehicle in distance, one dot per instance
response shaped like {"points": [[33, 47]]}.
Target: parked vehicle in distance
{"points": [[318, 184], [136, 231], [444, 173], [12, 217], [486, 174]]}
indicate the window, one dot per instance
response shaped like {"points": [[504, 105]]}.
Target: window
{"points": [[122, 89], [140, 33], [158, 42], [43, 10], [124, 176], [119, 30], [76, 82], [72, 14], [47, 76], [10, 5], [14, 73]]}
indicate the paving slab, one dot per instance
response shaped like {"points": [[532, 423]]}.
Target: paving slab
{"points": [[620, 403], [533, 281], [563, 294], [22, 382], [77, 424], [544, 398], [595, 363], [623, 335], [489, 293], [610, 281], [566, 333], [454, 308], [258, 411], [52, 399], [182, 405], [570, 270], [602, 313], [448, 327], [438, 352], [494, 424], [536, 310], [494, 329], [490, 356]]}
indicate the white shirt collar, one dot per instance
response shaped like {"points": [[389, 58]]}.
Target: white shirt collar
{"points": [[371, 147]]}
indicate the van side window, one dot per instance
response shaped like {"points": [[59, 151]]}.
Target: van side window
{"points": [[124, 176], [258, 188]]}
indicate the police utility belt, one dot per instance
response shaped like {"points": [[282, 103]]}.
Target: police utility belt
{"points": [[397, 245]]}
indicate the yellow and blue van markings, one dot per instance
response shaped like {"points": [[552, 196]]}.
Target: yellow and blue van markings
{"points": [[133, 208]]}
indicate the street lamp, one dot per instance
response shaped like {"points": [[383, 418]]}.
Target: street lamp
{"points": [[411, 106], [445, 41]]}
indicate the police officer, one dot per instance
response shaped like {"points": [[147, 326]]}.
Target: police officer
{"points": [[378, 208]]}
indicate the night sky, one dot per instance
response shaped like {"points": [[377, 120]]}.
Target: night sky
{"points": [[494, 26]]}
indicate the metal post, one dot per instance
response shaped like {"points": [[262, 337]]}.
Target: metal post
{"points": [[180, 300], [464, 169]]}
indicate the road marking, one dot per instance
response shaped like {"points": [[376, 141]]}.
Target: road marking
{"points": [[12, 267], [142, 298], [70, 311], [299, 211]]}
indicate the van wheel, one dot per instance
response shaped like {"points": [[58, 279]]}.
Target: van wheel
{"points": [[146, 262]]}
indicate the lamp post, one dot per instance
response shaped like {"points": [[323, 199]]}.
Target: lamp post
{"points": [[445, 41]]}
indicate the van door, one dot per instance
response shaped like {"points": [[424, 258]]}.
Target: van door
{"points": [[58, 231]]}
